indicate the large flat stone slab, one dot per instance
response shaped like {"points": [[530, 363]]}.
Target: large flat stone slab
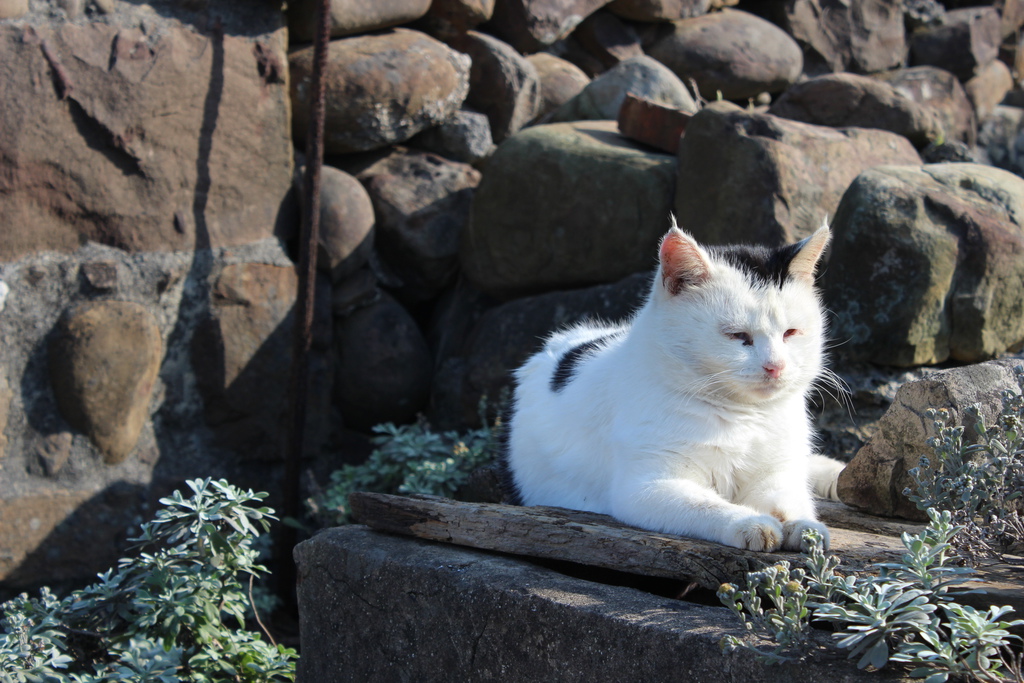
{"points": [[376, 607]]}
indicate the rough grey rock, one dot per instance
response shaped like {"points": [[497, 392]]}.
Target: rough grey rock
{"points": [[463, 614], [750, 177], [103, 364], [863, 37], [422, 204], [845, 99], [531, 25], [502, 83], [926, 265], [383, 365], [639, 76], [352, 16], [1000, 138], [560, 81], [465, 137], [875, 479], [941, 92], [64, 512], [382, 88], [732, 52], [566, 205], [967, 41]]}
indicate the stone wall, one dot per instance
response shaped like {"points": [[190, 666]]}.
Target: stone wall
{"points": [[478, 193]]}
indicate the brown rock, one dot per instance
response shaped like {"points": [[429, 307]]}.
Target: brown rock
{"points": [[968, 40], [108, 132], [750, 177], [100, 275], [531, 25], [502, 83], [381, 88], [560, 81], [449, 18], [658, 10], [875, 479], [383, 365], [54, 451], [242, 353], [353, 16], [731, 52], [104, 360], [608, 39], [652, 124], [864, 37], [988, 87], [422, 204], [346, 223], [12, 9], [941, 91], [45, 535], [840, 100]]}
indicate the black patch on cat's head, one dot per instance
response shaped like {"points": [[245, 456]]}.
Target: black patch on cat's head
{"points": [[566, 368], [763, 265]]}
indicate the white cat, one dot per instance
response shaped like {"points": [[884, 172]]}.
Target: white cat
{"points": [[691, 418]]}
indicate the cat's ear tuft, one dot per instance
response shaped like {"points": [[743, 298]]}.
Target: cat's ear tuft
{"points": [[805, 262], [683, 262]]}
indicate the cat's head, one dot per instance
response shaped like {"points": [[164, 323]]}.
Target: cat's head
{"points": [[745, 322]]}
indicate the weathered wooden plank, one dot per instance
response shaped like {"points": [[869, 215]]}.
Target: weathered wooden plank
{"points": [[601, 541], [591, 539]]}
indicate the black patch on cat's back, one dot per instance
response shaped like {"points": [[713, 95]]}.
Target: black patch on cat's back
{"points": [[566, 368], [765, 266]]}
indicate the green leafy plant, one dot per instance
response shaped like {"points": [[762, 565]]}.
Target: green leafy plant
{"points": [[979, 482], [174, 612], [892, 616], [410, 459]]}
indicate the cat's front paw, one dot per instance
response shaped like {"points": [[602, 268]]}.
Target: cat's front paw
{"points": [[794, 531], [758, 532]]}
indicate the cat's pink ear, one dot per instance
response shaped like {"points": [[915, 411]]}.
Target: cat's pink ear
{"points": [[806, 260], [683, 263]]}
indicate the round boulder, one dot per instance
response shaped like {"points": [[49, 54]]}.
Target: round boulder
{"points": [[849, 100], [730, 52], [564, 205], [346, 223], [381, 89], [103, 363], [383, 365]]}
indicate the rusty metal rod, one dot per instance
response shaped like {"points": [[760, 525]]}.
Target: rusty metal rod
{"points": [[304, 307]]}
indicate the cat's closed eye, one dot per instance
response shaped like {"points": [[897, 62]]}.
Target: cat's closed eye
{"points": [[790, 333], [741, 336]]}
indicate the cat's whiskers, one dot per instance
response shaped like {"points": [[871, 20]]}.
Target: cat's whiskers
{"points": [[830, 384]]}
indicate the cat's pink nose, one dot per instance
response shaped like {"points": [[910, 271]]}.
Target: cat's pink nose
{"points": [[774, 369]]}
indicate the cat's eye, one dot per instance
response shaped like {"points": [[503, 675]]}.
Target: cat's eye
{"points": [[741, 336], [789, 333]]}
